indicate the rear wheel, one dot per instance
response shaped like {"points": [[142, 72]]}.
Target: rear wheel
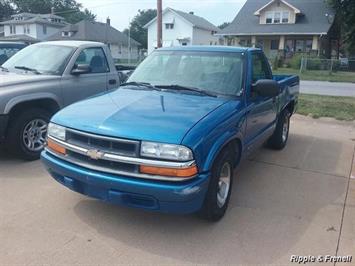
{"points": [[27, 133], [279, 139], [219, 190]]}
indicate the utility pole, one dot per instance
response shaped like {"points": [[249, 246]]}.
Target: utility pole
{"points": [[160, 23]]}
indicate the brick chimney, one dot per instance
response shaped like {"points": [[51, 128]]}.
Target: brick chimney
{"points": [[108, 21], [191, 13]]}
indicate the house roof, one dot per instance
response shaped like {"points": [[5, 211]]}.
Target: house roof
{"points": [[195, 21], [313, 20], [19, 38], [35, 18], [93, 31], [297, 11]]}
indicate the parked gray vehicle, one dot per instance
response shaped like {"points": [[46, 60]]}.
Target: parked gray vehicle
{"points": [[43, 78]]}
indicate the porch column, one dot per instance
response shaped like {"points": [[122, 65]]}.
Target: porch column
{"points": [[236, 41], [315, 45], [253, 41], [282, 43]]}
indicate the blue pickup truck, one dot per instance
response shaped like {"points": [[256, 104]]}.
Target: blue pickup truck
{"points": [[170, 138]]}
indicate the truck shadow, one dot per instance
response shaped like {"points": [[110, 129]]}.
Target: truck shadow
{"points": [[276, 202]]}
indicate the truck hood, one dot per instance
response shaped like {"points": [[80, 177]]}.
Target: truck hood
{"points": [[138, 114], [12, 79]]}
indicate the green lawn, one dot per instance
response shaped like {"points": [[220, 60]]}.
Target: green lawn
{"points": [[321, 75], [340, 108]]}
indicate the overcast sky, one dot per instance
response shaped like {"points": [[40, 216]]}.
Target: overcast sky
{"points": [[121, 11]]}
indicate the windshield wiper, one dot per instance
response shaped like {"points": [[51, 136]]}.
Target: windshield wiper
{"points": [[185, 88], [28, 69], [4, 69], [139, 84]]}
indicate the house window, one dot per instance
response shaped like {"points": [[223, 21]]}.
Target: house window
{"points": [[169, 26], [269, 17], [44, 29], [277, 17], [299, 45], [184, 44], [65, 33], [26, 29], [274, 45], [285, 16], [12, 29], [309, 45]]}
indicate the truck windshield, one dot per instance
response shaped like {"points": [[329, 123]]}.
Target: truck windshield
{"points": [[41, 59], [214, 72]]}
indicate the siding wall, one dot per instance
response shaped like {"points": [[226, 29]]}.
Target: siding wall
{"points": [[204, 37], [274, 7], [182, 29]]}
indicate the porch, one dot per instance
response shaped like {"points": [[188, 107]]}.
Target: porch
{"points": [[286, 46]]}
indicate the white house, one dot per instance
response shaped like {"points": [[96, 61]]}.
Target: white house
{"points": [[180, 28], [31, 28], [122, 48]]}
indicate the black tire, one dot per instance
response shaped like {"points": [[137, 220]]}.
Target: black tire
{"points": [[279, 139], [15, 142], [212, 210]]}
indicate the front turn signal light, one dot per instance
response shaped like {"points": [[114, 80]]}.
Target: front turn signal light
{"points": [[173, 172], [57, 148]]}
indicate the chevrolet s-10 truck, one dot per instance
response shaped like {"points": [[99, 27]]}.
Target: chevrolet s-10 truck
{"points": [[170, 138]]}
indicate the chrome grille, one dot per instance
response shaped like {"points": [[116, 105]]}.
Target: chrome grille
{"points": [[105, 144]]}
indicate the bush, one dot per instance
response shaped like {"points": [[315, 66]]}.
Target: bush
{"points": [[295, 61], [275, 63], [314, 64]]}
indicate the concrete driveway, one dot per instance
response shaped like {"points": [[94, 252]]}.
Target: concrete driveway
{"points": [[299, 201], [328, 88]]}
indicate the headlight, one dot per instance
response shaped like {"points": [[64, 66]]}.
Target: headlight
{"points": [[56, 131], [166, 151]]}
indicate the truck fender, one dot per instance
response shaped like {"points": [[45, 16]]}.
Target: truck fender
{"points": [[29, 97], [219, 145]]}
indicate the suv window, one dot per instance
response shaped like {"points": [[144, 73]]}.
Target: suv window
{"points": [[260, 68], [95, 58]]}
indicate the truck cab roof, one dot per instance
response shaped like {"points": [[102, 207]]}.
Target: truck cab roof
{"points": [[73, 43], [209, 48]]}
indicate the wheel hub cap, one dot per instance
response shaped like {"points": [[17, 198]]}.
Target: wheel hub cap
{"points": [[34, 134], [285, 128], [224, 185]]}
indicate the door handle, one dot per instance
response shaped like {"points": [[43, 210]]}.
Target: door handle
{"points": [[112, 81]]}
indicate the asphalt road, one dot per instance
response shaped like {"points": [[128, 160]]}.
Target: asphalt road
{"points": [[299, 201], [328, 88]]}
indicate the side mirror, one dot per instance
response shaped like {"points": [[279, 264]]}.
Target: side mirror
{"points": [[266, 88], [81, 69]]}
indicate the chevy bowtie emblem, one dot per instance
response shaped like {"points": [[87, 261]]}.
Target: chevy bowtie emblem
{"points": [[95, 154]]}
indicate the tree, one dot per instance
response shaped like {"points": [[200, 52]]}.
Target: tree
{"points": [[345, 16], [224, 25], [138, 33], [6, 10], [69, 9]]}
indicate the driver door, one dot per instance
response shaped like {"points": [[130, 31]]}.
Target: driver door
{"points": [[79, 87], [262, 111]]}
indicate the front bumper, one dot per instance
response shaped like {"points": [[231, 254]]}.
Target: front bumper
{"points": [[171, 197], [4, 119]]}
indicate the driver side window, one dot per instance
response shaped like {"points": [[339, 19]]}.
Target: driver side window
{"points": [[95, 58], [260, 68]]}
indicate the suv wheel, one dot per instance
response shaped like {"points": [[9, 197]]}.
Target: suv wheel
{"points": [[220, 187], [279, 139], [27, 133]]}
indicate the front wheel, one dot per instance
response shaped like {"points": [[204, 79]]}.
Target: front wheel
{"points": [[279, 139], [27, 133], [219, 190]]}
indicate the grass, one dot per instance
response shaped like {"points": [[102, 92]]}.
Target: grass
{"points": [[316, 106], [321, 75]]}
